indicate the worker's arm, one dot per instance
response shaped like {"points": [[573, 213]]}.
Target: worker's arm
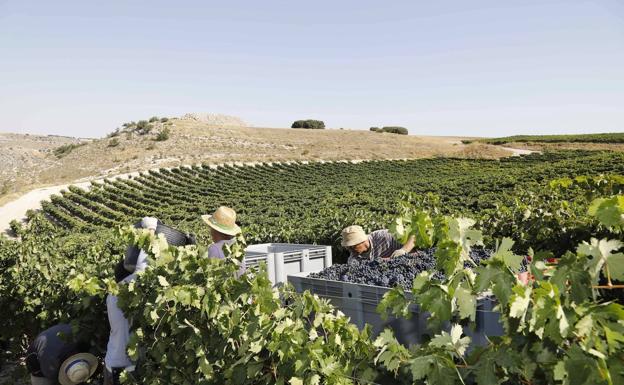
{"points": [[409, 245]]}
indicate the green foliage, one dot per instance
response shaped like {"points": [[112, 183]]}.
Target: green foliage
{"points": [[558, 329], [309, 124], [395, 130], [6, 188], [617, 137], [33, 281], [143, 127], [153, 119], [163, 135], [609, 211], [231, 329], [65, 149], [164, 120], [113, 142], [554, 217], [375, 129], [228, 329], [508, 198]]}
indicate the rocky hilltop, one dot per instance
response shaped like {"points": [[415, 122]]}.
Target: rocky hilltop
{"points": [[215, 119]]}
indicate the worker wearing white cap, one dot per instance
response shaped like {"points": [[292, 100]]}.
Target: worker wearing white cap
{"points": [[378, 244], [55, 357]]}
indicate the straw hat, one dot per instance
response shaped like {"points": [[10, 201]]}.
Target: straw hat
{"points": [[77, 369], [353, 235], [223, 220]]}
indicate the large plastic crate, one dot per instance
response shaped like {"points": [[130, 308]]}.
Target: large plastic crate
{"points": [[359, 303], [283, 259]]}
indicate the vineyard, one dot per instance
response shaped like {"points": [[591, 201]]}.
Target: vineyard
{"points": [[311, 203], [561, 328], [580, 138]]}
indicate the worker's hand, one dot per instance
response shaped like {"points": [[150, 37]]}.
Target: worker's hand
{"points": [[398, 253], [525, 278], [149, 223]]}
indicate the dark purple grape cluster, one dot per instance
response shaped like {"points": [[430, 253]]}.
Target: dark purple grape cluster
{"points": [[399, 271]]}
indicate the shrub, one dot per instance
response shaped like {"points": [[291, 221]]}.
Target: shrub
{"points": [[143, 127], [6, 187], [375, 129], [151, 146], [395, 130], [163, 135], [465, 141], [164, 120], [113, 142], [153, 119], [309, 124], [66, 149]]}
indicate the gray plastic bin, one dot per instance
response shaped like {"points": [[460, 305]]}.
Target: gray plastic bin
{"points": [[359, 303], [283, 259]]}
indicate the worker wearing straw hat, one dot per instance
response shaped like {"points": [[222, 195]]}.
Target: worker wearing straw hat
{"points": [[378, 244], [223, 230], [55, 356]]}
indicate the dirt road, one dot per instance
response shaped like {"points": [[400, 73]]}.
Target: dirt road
{"points": [[518, 151]]}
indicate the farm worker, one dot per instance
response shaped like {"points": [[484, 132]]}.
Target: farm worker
{"points": [[116, 359], [378, 244], [56, 357], [223, 229]]}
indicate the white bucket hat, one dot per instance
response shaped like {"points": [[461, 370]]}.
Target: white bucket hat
{"points": [[77, 369], [223, 220], [353, 235]]}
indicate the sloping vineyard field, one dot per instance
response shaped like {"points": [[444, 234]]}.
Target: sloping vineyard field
{"points": [[566, 326], [310, 203]]}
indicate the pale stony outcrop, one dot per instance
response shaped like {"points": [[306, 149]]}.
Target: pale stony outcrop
{"points": [[215, 119]]}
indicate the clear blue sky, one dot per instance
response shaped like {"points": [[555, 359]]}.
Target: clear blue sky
{"points": [[460, 67]]}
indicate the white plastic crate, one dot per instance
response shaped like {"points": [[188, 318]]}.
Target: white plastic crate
{"points": [[283, 259], [359, 303]]}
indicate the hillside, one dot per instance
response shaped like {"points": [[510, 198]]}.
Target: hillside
{"points": [[598, 142], [31, 162], [24, 157]]}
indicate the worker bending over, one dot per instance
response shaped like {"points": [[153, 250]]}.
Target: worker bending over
{"points": [[378, 244]]}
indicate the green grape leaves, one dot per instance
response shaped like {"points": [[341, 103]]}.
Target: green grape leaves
{"points": [[506, 255], [452, 341], [609, 211], [602, 256]]}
